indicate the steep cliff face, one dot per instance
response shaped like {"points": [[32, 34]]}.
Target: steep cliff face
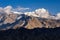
{"points": [[41, 22], [10, 18], [13, 21], [33, 23]]}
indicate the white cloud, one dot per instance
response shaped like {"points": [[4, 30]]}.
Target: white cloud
{"points": [[10, 9], [31, 14], [58, 14], [20, 9], [41, 12], [17, 12]]}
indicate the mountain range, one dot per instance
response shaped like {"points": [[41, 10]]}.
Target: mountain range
{"points": [[14, 21]]}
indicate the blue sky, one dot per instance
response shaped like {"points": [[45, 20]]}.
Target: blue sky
{"points": [[53, 6]]}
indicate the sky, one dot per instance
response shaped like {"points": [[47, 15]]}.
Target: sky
{"points": [[53, 6]]}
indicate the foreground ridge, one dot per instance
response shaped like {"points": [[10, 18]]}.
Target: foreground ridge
{"points": [[30, 34]]}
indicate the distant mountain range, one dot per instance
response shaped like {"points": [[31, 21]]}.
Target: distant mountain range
{"points": [[13, 21], [27, 26]]}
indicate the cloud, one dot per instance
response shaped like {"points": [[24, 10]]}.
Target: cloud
{"points": [[31, 14], [20, 9], [41, 12], [58, 16], [9, 9]]}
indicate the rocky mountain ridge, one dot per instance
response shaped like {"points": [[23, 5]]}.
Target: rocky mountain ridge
{"points": [[13, 21]]}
